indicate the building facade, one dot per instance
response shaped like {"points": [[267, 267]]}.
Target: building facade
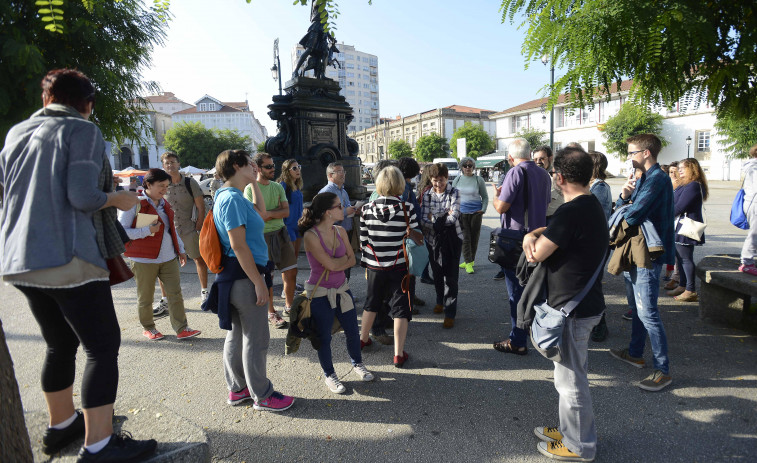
{"points": [[357, 75], [215, 114], [584, 126], [143, 155], [166, 103], [372, 142]]}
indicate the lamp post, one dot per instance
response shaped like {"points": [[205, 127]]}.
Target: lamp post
{"points": [[688, 146], [545, 61], [276, 69]]}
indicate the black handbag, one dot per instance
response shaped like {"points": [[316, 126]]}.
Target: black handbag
{"points": [[505, 245]]}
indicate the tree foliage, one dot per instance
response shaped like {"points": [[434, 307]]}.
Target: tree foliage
{"points": [[534, 136], [199, 146], [431, 146], [399, 149], [477, 141], [111, 42], [738, 134], [675, 50], [632, 119]]}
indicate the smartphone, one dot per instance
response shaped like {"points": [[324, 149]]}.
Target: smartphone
{"points": [[630, 171]]}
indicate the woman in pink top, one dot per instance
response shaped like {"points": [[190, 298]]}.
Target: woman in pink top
{"points": [[329, 257]]}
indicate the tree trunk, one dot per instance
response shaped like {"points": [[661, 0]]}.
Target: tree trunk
{"points": [[14, 439]]}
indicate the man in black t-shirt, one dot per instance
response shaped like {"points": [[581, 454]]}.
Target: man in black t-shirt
{"points": [[571, 247]]}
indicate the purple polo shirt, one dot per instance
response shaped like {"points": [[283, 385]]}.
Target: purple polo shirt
{"points": [[539, 185]]}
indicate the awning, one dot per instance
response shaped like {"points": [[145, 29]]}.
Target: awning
{"points": [[484, 162]]}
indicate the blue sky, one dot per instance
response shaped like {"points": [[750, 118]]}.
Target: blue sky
{"points": [[431, 53]]}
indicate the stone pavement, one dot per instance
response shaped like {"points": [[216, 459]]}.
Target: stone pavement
{"points": [[457, 399]]}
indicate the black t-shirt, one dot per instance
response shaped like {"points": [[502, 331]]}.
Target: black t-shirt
{"points": [[579, 229]]}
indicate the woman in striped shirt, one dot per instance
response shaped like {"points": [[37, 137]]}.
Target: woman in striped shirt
{"points": [[382, 230]]}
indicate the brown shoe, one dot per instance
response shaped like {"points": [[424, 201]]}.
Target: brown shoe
{"points": [[677, 291], [438, 308], [672, 284], [448, 323], [506, 347], [687, 296]]}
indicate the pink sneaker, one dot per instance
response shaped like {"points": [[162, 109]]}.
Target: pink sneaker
{"points": [[750, 269], [277, 402], [236, 398], [152, 335]]}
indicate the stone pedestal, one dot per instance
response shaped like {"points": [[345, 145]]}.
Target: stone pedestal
{"points": [[725, 293], [312, 120]]}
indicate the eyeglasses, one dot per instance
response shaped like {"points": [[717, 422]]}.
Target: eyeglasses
{"points": [[336, 172], [295, 168], [631, 153], [553, 172], [269, 166], [171, 163], [467, 166], [340, 206]]}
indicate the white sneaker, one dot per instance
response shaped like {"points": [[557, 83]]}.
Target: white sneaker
{"points": [[361, 371], [335, 385], [160, 308], [204, 295]]}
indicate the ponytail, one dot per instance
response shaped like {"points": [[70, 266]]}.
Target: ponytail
{"points": [[312, 214]]}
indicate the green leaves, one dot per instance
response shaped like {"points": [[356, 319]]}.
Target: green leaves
{"points": [[632, 119], [399, 149], [431, 146], [477, 141], [199, 146], [534, 136], [51, 15]]}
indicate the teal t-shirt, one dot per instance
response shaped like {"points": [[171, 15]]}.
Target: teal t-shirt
{"points": [[230, 210], [273, 195]]}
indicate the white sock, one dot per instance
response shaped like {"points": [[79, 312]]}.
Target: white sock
{"points": [[67, 423], [164, 299], [97, 446]]}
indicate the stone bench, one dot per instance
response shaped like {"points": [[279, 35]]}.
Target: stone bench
{"points": [[725, 294]]}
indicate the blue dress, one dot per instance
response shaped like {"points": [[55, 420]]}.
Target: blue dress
{"points": [[295, 211]]}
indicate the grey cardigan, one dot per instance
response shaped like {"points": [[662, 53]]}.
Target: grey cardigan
{"points": [[49, 172]]}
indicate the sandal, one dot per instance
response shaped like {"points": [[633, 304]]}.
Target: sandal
{"points": [[507, 347], [687, 296], [672, 284]]}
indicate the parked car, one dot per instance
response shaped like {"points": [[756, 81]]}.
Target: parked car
{"points": [[452, 166]]}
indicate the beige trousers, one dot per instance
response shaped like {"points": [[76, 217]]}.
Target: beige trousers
{"points": [[168, 272]]}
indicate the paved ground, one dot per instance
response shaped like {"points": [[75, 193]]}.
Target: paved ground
{"points": [[457, 400]]}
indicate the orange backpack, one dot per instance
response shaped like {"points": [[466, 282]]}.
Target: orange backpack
{"points": [[210, 245]]}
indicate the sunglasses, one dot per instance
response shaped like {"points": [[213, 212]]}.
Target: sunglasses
{"points": [[467, 166], [295, 168], [269, 166], [340, 206]]}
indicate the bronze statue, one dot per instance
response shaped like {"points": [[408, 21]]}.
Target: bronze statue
{"points": [[320, 48]]}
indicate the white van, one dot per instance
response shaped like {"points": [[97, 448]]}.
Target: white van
{"points": [[452, 166]]}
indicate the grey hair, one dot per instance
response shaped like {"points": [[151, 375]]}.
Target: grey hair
{"points": [[519, 149], [330, 168], [466, 158]]}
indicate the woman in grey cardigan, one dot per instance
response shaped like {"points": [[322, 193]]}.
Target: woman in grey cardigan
{"points": [[473, 202]]}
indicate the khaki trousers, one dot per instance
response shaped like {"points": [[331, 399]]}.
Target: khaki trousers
{"points": [[168, 272]]}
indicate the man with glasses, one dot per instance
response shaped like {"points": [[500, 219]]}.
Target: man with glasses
{"points": [[543, 158], [280, 248], [187, 201], [650, 198], [336, 175]]}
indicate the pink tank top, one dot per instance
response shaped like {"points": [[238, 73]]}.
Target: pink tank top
{"points": [[335, 279]]}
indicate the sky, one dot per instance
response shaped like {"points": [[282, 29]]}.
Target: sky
{"points": [[431, 54]]}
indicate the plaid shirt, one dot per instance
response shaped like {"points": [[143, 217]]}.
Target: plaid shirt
{"points": [[436, 206]]}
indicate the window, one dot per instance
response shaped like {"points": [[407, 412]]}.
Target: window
{"points": [[211, 106], [203, 107], [350, 66], [350, 74], [703, 141], [350, 56], [365, 85]]}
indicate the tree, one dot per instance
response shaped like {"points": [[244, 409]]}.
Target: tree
{"points": [[632, 119], [15, 440], [399, 149], [199, 146], [534, 136], [673, 50], [431, 146], [111, 43], [477, 141], [261, 147], [739, 134]]}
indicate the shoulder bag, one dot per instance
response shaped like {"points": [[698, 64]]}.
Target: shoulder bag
{"points": [[505, 245], [548, 324], [738, 217], [416, 255], [690, 228], [305, 304]]}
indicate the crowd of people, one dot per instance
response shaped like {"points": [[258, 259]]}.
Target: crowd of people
{"points": [[61, 258]]}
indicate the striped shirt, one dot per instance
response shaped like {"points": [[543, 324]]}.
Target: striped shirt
{"points": [[441, 207], [382, 229]]}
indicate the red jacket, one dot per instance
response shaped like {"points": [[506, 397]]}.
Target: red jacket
{"points": [[149, 246]]}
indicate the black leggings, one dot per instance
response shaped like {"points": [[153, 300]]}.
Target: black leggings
{"points": [[686, 267], [67, 317]]}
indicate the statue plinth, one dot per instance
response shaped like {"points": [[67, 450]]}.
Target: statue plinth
{"points": [[312, 119]]}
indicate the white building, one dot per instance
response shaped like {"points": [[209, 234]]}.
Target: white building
{"points": [[213, 113], [358, 78], [166, 103], [372, 142], [584, 126], [143, 155]]}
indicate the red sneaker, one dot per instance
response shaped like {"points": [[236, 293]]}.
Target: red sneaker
{"points": [[152, 335], [399, 360], [365, 343], [187, 333]]}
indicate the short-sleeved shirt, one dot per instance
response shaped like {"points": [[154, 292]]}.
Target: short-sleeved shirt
{"points": [[344, 197], [182, 203], [539, 185], [273, 196], [579, 229], [231, 210]]}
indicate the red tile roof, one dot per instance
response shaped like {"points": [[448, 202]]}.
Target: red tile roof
{"points": [[165, 97], [533, 104], [467, 109]]}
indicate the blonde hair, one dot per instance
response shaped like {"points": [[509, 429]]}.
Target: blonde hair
{"points": [[286, 175], [390, 182], [696, 169]]}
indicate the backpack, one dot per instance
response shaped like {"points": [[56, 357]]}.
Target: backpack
{"points": [[210, 245]]}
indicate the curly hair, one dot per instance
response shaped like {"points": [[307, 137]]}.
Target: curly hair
{"points": [[698, 176], [286, 175]]}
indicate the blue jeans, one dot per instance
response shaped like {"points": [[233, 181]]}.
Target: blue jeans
{"points": [[642, 290], [323, 314], [514, 291]]}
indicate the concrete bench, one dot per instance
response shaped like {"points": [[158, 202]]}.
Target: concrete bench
{"points": [[725, 294]]}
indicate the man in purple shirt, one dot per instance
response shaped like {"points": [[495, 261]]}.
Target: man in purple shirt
{"points": [[510, 201]]}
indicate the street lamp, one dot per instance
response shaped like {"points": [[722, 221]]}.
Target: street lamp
{"points": [[276, 69], [688, 145], [545, 61]]}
